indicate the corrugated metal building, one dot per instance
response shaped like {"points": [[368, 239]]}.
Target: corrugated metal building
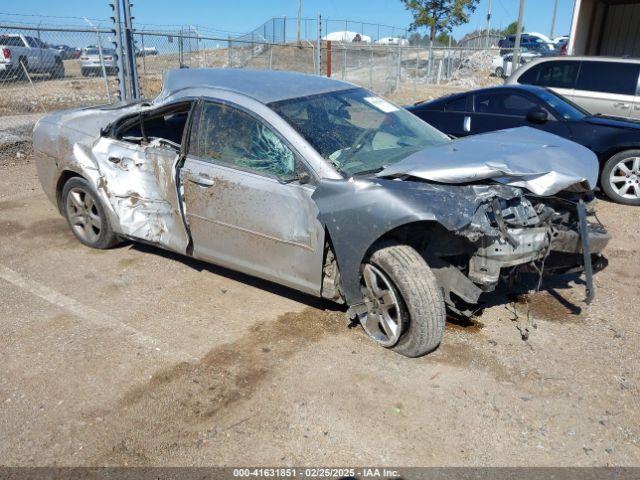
{"points": [[605, 27]]}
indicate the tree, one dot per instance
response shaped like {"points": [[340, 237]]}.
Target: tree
{"points": [[512, 29], [439, 15], [443, 39]]}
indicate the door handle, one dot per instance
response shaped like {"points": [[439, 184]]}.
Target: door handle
{"points": [[621, 105], [202, 181], [467, 124]]}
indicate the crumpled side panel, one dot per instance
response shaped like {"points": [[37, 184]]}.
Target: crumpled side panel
{"points": [[139, 185], [358, 212]]}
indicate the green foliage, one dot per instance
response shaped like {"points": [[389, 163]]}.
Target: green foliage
{"points": [[512, 29], [439, 15]]}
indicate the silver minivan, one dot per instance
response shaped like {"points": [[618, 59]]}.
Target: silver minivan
{"points": [[604, 85]]}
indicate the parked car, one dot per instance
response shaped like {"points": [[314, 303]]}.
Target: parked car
{"points": [[502, 65], [616, 142], [147, 52], [598, 84], [21, 54], [66, 52], [90, 63], [327, 188], [532, 43]]}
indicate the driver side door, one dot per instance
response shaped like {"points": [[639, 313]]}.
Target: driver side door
{"points": [[245, 206]]}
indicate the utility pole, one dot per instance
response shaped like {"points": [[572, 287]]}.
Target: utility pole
{"points": [[299, 20], [553, 19], [516, 51], [488, 22]]}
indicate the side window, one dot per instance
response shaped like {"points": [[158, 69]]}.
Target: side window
{"points": [[512, 104], [597, 77], [557, 74], [32, 42], [457, 105], [233, 137], [11, 41]]}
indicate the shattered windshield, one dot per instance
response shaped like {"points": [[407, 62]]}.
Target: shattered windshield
{"points": [[357, 131]]}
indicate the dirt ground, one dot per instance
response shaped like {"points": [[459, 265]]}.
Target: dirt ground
{"points": [[134, 356]]}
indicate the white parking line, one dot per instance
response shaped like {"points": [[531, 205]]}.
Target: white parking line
{"points": [[91, 315]]}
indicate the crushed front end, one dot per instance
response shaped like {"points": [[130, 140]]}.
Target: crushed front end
{"points": [[511, 233]]}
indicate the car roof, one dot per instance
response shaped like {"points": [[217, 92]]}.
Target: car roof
{"points": [[496, 89], [266, 86], [568, 58]]}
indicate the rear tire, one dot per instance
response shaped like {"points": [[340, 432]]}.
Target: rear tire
{"points": [[419, 312], [500, 72], [620, 178], [58, 70], [86, 216]]}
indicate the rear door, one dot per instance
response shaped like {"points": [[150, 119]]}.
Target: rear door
{"points": [[451, 118], [245, 208], [608, 88], [509, 109], [559, 75]]}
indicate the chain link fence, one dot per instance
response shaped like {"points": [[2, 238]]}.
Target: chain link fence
{"points": [[57, 68]]}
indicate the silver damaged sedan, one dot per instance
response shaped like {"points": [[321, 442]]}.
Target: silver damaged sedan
{"points": [[329, 189]]}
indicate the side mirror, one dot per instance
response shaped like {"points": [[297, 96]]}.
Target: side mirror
{"points": [[304, 177], [537, 115]]}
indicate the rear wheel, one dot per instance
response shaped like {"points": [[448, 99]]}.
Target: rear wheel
{"points": [[405, 306], [620, 177], [58, 69], [500, 72], [86, 216]]}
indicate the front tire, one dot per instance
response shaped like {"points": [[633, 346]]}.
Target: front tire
{"points": [[405, 306], [86, 215], [620, 177], [500, 72], [58, 70]]}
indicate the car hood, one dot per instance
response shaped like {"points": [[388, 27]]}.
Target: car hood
{"points": [[613, 122], [540, 162]]}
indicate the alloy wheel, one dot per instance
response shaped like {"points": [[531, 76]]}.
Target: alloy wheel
{"points": [[625, 178], [382, 321], [83, 214]]}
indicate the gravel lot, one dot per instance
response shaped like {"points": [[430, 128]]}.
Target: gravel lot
{"points": [[135, 356]]}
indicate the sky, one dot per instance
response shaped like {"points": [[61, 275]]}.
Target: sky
{"points": [[240, 16]]}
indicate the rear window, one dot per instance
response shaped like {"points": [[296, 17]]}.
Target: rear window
{"points": [[552, 74], [11, 41], [457, 105], [597, 77]]}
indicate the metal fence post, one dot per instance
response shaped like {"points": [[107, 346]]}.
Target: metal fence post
{"points": [[119, 48], [131, 53], [319, 46], [371, 67], [344, 61], [430, 61], [398, 66], [229, 57], [284, 29]]}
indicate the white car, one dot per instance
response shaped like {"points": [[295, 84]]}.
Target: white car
{"points": [[502, 65], [346, 36], [20, 54], [393, 41], [90, 63]]}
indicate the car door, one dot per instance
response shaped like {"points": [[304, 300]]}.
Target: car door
{"points": [[608, 88], [448, 117], [558, 75], [34, 55], [504, 108], [244, 204]]}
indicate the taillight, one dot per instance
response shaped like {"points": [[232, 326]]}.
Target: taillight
{"points": [[6, 53]]}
